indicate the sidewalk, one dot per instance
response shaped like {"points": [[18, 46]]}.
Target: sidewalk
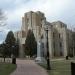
{"points": [[28, 67]]}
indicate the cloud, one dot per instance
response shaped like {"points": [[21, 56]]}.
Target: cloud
{"points": [[54, 10]]}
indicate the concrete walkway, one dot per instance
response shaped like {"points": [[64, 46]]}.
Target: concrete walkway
{"points": [[28, 67]]}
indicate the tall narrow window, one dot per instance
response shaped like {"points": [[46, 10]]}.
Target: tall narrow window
{"points": [[23, 34], [54, 48], [53, 34], [61, 53], [28, 23], [27, 20], [59, 35]]}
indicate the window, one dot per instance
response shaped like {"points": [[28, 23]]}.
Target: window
{"points": [[61, 51], [53, 34], [27, 20], [54, 48], [59, 35], [23, 34], [41, 19], [60, 45], [42, 37]]}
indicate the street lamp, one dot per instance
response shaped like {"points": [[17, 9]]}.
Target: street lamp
{"points": [[13, 56], [47, 47]]}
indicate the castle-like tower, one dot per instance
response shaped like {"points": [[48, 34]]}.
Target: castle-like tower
{"points": [[57, 34]]}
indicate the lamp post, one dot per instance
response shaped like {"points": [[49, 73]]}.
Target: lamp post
{"points": [[47, 47], [13, 56]]}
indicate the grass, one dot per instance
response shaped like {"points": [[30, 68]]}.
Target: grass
{"points": [[7, 68], [61, 67]]}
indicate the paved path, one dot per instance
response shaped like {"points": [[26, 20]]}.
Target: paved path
{"points": [[28, 67]]}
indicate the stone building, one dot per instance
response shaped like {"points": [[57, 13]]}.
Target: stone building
{"points": [[59, 36]]}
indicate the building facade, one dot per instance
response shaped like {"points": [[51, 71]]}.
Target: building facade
{"points": [[59, 36]]}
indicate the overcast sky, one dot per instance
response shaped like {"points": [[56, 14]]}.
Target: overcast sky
{"points": [[54, 10]]}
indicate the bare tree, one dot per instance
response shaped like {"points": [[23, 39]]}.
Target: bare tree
{"points": [[3, 23], [2, 18]]}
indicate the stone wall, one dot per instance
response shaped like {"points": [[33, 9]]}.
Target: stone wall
{"points": [[57, 33]]}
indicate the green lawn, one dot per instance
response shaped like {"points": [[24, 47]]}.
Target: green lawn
{"points": [[7, 68], [61, 67]]}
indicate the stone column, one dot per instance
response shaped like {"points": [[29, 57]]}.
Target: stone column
{"points": [[21, 51], [21, 48], [65, 47], [40, 58]]}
